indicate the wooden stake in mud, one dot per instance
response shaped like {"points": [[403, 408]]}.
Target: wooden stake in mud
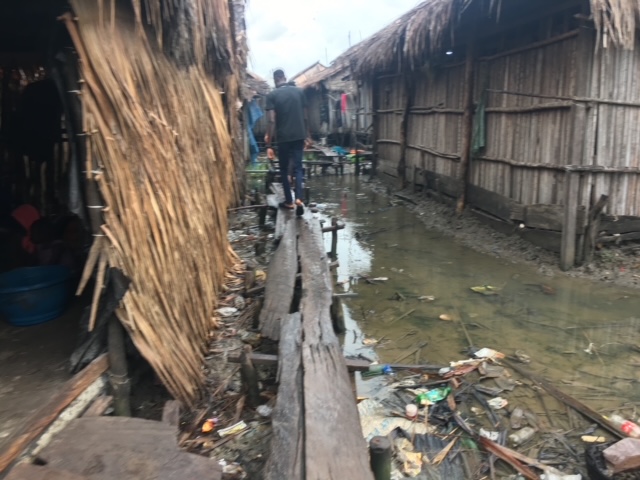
{"points": [[380, 457], [334, 238], [249, 377], [337, 315]]}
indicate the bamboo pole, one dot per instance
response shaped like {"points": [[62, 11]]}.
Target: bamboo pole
{"points": [[467, 127]]}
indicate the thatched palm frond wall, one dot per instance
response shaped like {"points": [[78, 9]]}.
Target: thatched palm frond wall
{"points": [[422, 31], [160, 149]]}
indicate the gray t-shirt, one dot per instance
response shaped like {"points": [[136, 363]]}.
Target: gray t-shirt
{"points": [[289, 103]]}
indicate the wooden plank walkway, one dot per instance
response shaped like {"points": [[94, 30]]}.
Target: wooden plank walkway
{"points": [[316, 429]]}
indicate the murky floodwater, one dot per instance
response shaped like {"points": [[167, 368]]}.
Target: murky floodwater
{"points": [[583, 336]]}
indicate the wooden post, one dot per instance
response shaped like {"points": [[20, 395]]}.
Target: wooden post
{"points": [[357, 163], [404, 129], [307, 195], [415, 179], [249, 377], [337, 315], [572, 188], [424, 174], [593, 227], [118, 376], [380, 458], [375, 106], [334, 238], [467, 127]]}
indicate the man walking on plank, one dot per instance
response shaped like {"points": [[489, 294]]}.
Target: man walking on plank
{"points": [[287, 115]]}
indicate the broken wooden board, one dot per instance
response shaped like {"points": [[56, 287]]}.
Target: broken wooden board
{"points": [[284, 215], [280, 284], [29, 471], [121, 448], [287, 442], [35, 425], [334, 446]]}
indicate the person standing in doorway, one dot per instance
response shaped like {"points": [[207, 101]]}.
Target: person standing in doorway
{"points": [[287, 116]]}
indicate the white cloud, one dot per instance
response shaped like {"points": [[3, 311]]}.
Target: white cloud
{"points": [[293, 34]]}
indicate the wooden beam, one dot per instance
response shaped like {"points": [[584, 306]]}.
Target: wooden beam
{"points": [[287, 441], [35, 425], [328, 399], [352, 365]]}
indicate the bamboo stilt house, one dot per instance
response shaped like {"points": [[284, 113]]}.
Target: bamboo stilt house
{"points": [[524, 111], [159, 85]]}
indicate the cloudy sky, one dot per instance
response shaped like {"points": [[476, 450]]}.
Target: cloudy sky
{"points": [[293, 34]]}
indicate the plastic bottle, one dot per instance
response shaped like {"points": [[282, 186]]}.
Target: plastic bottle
{"points": [[626, 426], [378, 369], [521, 436]]}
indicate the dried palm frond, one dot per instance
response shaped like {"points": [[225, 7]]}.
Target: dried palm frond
{"points": [[159, 135]]}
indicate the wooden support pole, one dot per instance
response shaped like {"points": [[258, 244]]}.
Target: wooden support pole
{"points": [[334, 238], [467, 127], [409, 89], [118, 375], [415, 178], [572, 189], [357, 162], [380, 458], [593, 226], [307, 195], [375, 105], [249, 377]]}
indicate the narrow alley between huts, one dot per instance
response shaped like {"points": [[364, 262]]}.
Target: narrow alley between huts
{"points": [[227, 257]]}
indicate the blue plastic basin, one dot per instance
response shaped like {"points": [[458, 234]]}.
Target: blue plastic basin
{"points": [[33, 295]]}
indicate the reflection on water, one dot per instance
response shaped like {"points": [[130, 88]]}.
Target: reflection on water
{"points": [[583, 336]]}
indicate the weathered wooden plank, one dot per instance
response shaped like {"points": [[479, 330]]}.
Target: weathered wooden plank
{"points": [[550, 217], [280, 283], [506, 228], [28, 471], [619, 224], [442, 183], [124, 448], [287, 442], [491, 202], [35, 425], [547, 239], [99, 406], [328, 400]]}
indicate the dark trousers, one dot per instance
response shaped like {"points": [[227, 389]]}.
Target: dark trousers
{"points": [[290, 153]]}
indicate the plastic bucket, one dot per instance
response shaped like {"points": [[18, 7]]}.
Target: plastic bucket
{"points": [[33, 295]]}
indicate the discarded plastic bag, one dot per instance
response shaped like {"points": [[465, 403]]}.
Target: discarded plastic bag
{"points": [[433, 396], [233, 429], [488, 353], [497, 403]]}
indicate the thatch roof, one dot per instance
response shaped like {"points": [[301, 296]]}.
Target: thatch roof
{"points": [[161, 150], [422, 31]]}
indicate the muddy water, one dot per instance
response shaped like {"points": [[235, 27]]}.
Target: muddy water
{"points": [[583, 336]]}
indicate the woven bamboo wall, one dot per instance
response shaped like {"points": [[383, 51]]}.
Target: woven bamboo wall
{"points": [[391, 102], [433, 128], [613, 139], [527, 130]]}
